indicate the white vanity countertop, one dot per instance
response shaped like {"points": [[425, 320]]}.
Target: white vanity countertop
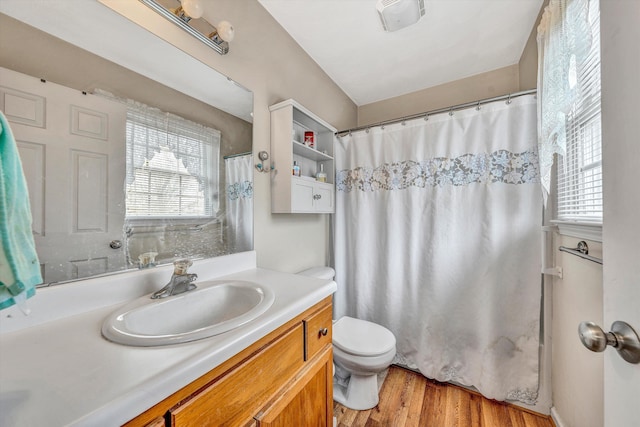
{"points": [[63, 372]]}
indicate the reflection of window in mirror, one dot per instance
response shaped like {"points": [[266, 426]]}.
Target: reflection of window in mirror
{"points": [[172, 187], [171, 167]]}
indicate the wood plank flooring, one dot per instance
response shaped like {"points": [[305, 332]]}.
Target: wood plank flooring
{"points": [[409, 399]]}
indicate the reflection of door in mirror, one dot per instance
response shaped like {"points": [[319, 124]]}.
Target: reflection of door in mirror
{"points": [[73, 157]]}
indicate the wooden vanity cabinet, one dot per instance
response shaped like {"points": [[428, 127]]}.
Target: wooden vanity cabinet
{"points": [[284, 379], [298, 404]]}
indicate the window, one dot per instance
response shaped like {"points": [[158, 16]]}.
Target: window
{"points": [[172, 166], [579, 170]]}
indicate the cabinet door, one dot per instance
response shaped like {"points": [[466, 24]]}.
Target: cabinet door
{"points": [[308, 401], [302, 192], [323, 198], [235, 398]]}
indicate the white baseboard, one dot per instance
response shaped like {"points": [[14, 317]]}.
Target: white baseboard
{"points": [[556, 418]]}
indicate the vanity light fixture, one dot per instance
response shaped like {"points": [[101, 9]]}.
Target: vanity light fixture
{"points": [[218, 39]]}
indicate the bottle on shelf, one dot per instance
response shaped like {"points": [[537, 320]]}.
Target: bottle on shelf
{"points": [[296, 168], [321, 176]]}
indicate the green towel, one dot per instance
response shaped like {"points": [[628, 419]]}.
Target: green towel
{"points": [[19, 265]]}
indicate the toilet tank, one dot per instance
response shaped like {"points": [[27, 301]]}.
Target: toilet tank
{"points": [[326, 273]]}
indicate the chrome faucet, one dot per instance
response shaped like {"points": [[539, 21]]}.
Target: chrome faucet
{"points": [[180, 280]]}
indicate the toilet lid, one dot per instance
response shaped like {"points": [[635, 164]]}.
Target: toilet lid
{"points": [[362, 338]]}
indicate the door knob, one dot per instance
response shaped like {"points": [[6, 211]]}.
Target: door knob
{"points": [[622, 337]]}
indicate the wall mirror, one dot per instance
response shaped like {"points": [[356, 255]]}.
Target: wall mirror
{"points": [[110, 130]]}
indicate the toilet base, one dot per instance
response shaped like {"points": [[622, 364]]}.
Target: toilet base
{"points": [[361, 392]]}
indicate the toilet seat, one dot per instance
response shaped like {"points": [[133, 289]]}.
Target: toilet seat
{"points": [[362, 338]]}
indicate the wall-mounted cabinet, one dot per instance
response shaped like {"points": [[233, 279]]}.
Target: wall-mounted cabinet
{"points": [[305, 193]]}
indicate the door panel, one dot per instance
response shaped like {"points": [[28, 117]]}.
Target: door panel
{"points": [[620, 33]]}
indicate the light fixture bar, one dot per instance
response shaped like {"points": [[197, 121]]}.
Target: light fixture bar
{"points": [[222, 48]]}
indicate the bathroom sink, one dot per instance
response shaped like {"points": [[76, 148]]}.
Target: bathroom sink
{"points": [[213, 308]]}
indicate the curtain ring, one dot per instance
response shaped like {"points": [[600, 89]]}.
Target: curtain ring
{"points": [[451, 111], [508, 99], [367, 130], [426, 117], [478, 106], [382, 127], [404, 123]]}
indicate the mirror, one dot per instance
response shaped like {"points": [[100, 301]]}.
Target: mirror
{"points": [[77, 138]]}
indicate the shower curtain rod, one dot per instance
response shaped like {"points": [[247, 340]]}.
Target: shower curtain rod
{"points": [[440, 110], [236, 155]]}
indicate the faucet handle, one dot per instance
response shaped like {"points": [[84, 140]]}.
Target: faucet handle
{"points": [[180, 266]]}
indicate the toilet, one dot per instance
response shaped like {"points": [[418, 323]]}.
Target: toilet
{"points": [[361, 351]]}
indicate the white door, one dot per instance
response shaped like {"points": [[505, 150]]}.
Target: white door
{"points": [[72, 150], [620, 32]]}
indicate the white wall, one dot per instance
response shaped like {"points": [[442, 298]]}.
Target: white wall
{"points": [[482, 86], [265, 59], [577, 374]]}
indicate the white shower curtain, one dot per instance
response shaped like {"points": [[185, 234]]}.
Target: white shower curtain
{"points": [[437, 238], [239, 212]]}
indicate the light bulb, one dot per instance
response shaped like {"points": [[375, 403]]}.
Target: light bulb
{"points": [[193, 8], [225, 31]]}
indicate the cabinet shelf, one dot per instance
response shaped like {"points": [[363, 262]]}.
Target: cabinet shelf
{"points": [[310, 153]]}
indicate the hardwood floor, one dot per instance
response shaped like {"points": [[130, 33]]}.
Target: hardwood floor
{"points": [[409, 399]]}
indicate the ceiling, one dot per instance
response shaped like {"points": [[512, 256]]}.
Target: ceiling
{"points": [[455, 39]]}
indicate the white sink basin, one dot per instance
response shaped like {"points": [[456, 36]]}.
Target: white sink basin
{"points": [[213, 308]]}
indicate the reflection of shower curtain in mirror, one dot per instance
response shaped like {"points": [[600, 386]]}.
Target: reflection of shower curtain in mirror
{"points": [[239, 189]]}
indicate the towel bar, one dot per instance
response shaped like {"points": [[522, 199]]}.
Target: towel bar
{"points": [[582, 251]]}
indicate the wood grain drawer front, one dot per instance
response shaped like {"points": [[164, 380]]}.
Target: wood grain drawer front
{"points": [[318, 331], [237, 396]]}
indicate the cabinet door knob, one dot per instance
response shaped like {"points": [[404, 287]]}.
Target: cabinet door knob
{"points": [[622, 337], [324, 332], [317, 196]]}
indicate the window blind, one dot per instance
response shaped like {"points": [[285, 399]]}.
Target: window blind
{"points": [[172, 166], [579, 196]]}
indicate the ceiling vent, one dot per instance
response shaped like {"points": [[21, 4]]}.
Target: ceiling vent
{"points": [[397, 14]]}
